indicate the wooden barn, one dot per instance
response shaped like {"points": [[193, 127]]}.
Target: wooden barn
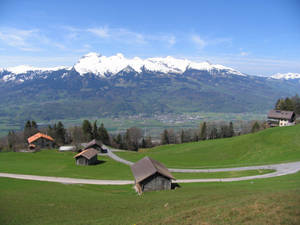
{"points": [[151, 175], [95, 145], [40, 140], [87, 157]]}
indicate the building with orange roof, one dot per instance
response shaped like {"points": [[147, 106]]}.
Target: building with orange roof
{"points": [[40, 140]]}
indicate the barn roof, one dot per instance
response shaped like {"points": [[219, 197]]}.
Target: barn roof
{"points": [[147, 167], [93, 143], [39, 135], [280, 114], [88, 153]]}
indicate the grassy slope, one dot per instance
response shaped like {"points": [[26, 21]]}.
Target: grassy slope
{"points": [[62, 164], [274, 145], [266, 201]]}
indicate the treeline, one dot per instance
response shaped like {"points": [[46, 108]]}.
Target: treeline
{"points": [[289, 104], [132, 139], [209, 131]]}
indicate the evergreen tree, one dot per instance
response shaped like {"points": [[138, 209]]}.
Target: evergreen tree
{"points": [[95, 131], [87, 130], [103, 135], [289, 104], [60, 133], [182, 136], [203, 131], [27, 131], [231, 130], [34, 127], [165, 138], [144, 144]]}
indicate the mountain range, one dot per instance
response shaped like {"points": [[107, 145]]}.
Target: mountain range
{"points": [[99, 86]]}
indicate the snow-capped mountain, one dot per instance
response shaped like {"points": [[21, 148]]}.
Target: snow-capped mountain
{"points": [[103, 66], [99, 86], [286, 76]]}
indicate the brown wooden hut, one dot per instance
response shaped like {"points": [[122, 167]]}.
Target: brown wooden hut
{"points": [[95, 144], [151, 175], [40, 140], [87, 157]]}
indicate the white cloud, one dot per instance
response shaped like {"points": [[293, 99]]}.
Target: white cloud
{"points": [[244, 53], [19, 38], [102, 32], [198, 41]]}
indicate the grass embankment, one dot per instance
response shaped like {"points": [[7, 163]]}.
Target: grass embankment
{"points": [[264, 201], [62, 164], [275, 145]]}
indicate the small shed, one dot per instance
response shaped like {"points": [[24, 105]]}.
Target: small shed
{"points": [[87, 157], [40, 140], [151, 175], [95, 144]]}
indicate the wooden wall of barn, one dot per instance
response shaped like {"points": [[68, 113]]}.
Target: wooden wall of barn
{"points": [[156, 182]]}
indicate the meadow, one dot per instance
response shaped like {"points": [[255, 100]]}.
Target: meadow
{"points": [[274, 145], [264, 201], [62, 164]]}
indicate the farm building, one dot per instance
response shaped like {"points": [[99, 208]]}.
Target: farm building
{"points": [[40, 140], [87, 157], [151, 175], [95, 145], [281, 118]]}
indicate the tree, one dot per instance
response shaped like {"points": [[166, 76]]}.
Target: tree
{"points": [[182, 136], [230, 130], [11, 139], [133, 136], [213, 133], [95, 131], [103, 135], [203, 131], [60, 133], [255, 127], [30, 129], [165, 138], [87, 130]]}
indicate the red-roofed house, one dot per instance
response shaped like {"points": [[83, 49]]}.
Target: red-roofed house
{"points": [[41, 141]]}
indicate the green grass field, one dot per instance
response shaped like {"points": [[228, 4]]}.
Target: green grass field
{"points": [[62, 164], [275, 145], [264, 201]]}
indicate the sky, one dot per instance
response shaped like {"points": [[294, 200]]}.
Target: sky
{"points": [[253, 36]]}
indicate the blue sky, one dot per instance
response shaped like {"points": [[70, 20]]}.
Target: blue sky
{"points": [[255, 37]]}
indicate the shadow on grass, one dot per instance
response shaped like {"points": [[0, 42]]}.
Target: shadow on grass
{"points": [[99, 162], [174, 186]]}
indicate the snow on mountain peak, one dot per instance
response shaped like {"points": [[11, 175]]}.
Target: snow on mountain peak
{"points": [[102, 65], [25, 68], [286, 76]]}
